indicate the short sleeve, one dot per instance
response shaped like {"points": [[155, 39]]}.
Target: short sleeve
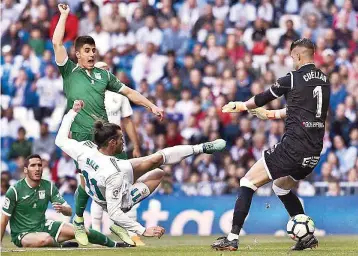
{"points": [[126, 109], [282, 86], [66, 67], [55, 195], [10, 201], [114, 84]]}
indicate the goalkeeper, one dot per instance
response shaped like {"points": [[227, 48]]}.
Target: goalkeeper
{"points": [[84, 81]]}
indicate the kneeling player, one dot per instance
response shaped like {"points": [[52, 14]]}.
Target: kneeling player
{"points": [[25, 206], [119, 184]]}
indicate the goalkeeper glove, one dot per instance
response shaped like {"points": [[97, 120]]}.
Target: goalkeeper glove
{"points": [[234, 106]]}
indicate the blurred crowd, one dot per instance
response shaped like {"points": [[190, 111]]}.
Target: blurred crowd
{"points": [[190, 57]]}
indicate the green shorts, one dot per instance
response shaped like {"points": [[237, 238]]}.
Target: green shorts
{"points": [[51, 227]]}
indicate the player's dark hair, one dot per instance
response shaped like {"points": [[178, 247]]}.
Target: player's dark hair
{"points": [[27, 160], [104, 132], [304, 42], [82, 40]]}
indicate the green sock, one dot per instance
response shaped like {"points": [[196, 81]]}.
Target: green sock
{"points": [[95, 237], [81, 199]]}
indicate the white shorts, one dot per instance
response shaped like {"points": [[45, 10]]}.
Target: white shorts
{"points": [[131, 195]]}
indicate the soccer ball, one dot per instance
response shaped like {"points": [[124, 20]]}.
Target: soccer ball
{"points": [[300, 227]]}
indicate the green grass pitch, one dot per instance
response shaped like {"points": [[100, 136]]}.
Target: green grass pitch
{"points": [[199, 245]]}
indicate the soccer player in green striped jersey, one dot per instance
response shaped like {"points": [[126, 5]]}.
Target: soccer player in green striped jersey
{"points": [[83, 81], [25, 206]]}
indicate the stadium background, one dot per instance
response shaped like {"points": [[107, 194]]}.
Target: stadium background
{"points": [[189, 57]]}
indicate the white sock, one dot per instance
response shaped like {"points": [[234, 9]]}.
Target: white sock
{"points": [[232, 236], [96, 214], [198, 149], [175, 154]]}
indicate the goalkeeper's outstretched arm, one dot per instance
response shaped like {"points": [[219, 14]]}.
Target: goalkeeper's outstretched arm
{"points": [[57, 40], [281, 87]]}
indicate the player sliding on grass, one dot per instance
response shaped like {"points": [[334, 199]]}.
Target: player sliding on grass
{"points": [[84, 81], [25, 206], [120, 112], [119, 184], [307, 91]]}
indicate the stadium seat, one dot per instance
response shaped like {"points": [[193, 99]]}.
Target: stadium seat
{"points": [[259, 61], [6, 142], [49, 46], [20, 113], [5, 101], [247, 38], [12, 166], [32, 128], [56, 118]]}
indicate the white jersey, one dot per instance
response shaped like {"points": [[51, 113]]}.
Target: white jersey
{"points": [[108, 179], [117, 107]]}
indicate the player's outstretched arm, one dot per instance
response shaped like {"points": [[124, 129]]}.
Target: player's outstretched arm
{"points": [[57, 40], [265, 114], [4, 221], [139, 99], [282, 86], [69, 146]]}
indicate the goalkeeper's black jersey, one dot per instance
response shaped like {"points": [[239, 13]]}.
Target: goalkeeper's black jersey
{"points": [[307, 92]]}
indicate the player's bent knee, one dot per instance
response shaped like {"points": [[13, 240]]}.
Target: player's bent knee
{"points": [[245, 182], [280, 191], [160, 173]]}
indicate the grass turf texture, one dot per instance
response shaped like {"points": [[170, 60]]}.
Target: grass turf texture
{"points": [[196, 245]]}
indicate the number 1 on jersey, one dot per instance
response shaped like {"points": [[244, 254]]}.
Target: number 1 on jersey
{"points": [[317, 92], [92, 182]]}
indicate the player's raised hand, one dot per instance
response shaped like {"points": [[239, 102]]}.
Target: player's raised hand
{"points": [[154, 231], [158, 112], [64, 9], [78, 105], [234, 106]]}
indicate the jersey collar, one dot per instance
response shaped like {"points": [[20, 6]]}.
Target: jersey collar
{"points": [[307, 64], [29, 184]]}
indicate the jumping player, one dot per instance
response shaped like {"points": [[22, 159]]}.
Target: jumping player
{"points": [[307, 92], [116, 184], [84, 81]]}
